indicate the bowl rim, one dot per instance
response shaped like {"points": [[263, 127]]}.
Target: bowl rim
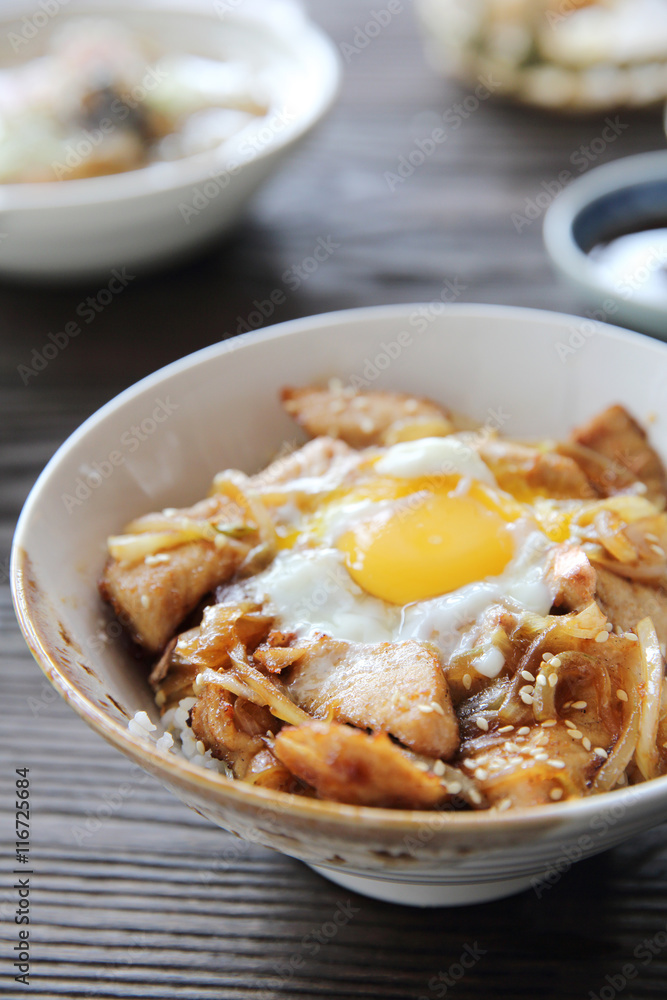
{"points": [[171, 175], [562, 214], [161, 763]]}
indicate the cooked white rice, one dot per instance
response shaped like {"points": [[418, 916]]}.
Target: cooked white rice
{"points": [[177, 736]]}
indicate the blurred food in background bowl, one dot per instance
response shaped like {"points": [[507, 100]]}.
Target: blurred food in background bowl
{"points": [[497, 365], [575, 55], [131, 133], [607, 234]]}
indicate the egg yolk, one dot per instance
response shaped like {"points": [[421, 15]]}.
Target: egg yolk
{"points": [[431, 544]]}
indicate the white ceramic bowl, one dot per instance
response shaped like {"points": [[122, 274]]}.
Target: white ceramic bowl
{"points": [[627, 195], [160, 442], [89, 226]]}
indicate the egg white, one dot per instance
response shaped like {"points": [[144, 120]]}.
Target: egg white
{"points": [[309, 589]]}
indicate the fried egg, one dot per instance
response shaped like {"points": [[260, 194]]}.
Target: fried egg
{"points": [[418, 543]]}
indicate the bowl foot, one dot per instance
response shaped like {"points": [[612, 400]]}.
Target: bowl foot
{"points": [[410, 893]]}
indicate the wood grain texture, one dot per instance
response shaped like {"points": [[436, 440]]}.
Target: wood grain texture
{"points": [[134, 895]]}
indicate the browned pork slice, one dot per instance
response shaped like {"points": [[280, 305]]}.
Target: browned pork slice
{"points": [[616, 436], [545, 766], [151, 598], [346, 765], [570, 577], [233, 729], [626, 602], [365, 418], [524, 471], [397, 688], [314, 459]]}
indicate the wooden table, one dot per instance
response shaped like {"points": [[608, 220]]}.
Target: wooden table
{"points": [[129, 897]]}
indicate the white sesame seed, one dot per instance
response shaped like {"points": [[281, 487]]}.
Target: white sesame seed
{"points": [[602, 636], [480, 774], [556, 794], [570, 725], [659, 551], [481, 723], [426, 709], [439, 768], [467, 681], [527, 676], [421, 765], [145, 601], [454, 787], [609, 627], [554, 762], [169, 511], [568, 704], [529, 688], [523, 731], [160, 699], [546, 656], [553, 680], [469, 763], [621, 695], [200, 747], [515, 760], [438, 709], [541, 680], [541, 740], [575, 734], [556, 662], [510, 746], [475, 797], [526, 698], [631, 636], [580, 705], [586, 743], [503, 805], [506, 729], [542, 756], [601, 752], [548, 723], [650, 537]]}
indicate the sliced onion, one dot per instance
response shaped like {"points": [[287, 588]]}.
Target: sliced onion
{"points": [[646, 752], [134, 548], [614, 767], [584, 625], [262, 688]]}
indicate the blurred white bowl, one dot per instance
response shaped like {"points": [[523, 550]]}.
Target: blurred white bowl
{"points": [[626, 196], [160, 212], [160, 443]]}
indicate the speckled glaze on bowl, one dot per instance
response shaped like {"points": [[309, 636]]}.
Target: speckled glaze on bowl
{"points": [[160, 442]]}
